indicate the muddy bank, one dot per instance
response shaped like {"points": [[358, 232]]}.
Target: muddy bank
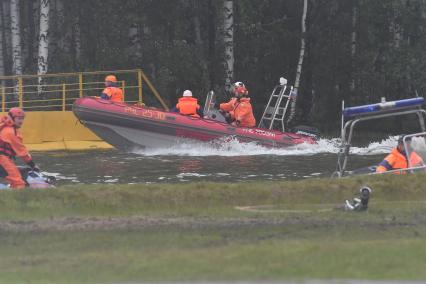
{"points": [[140, 222]]}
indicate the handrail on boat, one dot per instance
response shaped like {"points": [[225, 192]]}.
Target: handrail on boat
{"points": [[380, 111]]}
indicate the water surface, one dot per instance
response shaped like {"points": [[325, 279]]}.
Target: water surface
{"points": [[228, 162]]}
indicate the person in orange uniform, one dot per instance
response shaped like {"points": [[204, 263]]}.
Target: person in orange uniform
{"points": [[239, 107], [188, 105], [11, 146], [112, 91], [397, 159]]}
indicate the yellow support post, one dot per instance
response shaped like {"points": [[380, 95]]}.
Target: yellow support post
{"points": [[64, 95], [156, 94], [3, 99], [140, 86], [123, 86], [80, 84], [20, 92]]}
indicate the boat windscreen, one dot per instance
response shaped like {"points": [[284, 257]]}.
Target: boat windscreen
{"points": [[415, 143]]}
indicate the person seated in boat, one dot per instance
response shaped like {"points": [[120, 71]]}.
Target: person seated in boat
{"points": [[397, 159], [239, 109], [112, 92], [188, 105]]}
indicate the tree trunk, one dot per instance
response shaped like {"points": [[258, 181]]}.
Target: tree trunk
{"points": [[30, 39], [43, 41], [228, 39], [395, 26], [211, 43], [197, 24], [16, 37], [353, 42], [300, 63], [135, 45], [77, 41], [1, 43], [200, 49], [64, 34], [59, 34], [36, 29]]}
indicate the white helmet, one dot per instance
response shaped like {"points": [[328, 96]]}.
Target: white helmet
{"points": [[239, 89], [187, 93], [239, 84]]}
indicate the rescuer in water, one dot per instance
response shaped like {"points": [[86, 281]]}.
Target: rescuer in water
{"points": [[112, 92], [239, 109], [12, 146]]}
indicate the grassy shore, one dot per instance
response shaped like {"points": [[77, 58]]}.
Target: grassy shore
{"points": [[201, 231]]}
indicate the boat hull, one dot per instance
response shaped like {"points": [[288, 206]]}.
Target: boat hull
{"points": [[127, 127]]}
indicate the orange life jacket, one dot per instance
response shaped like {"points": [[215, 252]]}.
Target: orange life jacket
{"points": [[396, 160], [241, 111], [115, 94], [188, 106], [5, 148]]}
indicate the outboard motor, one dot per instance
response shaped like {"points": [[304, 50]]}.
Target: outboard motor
{"points": [[306, 130]]}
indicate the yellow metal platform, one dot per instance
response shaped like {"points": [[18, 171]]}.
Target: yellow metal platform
{"points": [[58, 130], [47, 100]]}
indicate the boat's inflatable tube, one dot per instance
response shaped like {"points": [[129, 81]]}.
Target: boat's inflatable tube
{"points": [[124, 126]]}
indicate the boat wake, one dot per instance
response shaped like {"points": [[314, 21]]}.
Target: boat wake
{"points": [[232, 147]]}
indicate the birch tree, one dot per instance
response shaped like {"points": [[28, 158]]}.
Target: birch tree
{"points": [[43, 39], [228, 39], [16, 37], [300, 63]]}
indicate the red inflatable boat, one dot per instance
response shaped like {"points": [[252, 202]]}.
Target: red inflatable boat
{"points": [[127, 127]]}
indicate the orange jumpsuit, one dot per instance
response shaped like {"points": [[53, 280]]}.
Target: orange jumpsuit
{"points": [[241, 111], [115, 94], [188, 106], [396, 160], [11, 145]]}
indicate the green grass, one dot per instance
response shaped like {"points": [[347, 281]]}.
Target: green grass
{"points": [[211, 240], [210, 199]]}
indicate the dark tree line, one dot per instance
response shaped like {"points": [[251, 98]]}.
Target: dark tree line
{"points": [[357, 50]]}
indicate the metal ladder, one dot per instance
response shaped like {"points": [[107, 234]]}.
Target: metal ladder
{"points": [[275, 111], [210, 101]]}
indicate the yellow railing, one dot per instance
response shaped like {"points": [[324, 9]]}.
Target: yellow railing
{"points": [[59, 91]]}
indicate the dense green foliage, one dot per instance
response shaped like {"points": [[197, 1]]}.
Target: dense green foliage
{"points": [[181, 47]]}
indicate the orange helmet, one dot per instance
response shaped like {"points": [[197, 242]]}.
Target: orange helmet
{"points": [[16, 112], [240, 89], [111, 78]]}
